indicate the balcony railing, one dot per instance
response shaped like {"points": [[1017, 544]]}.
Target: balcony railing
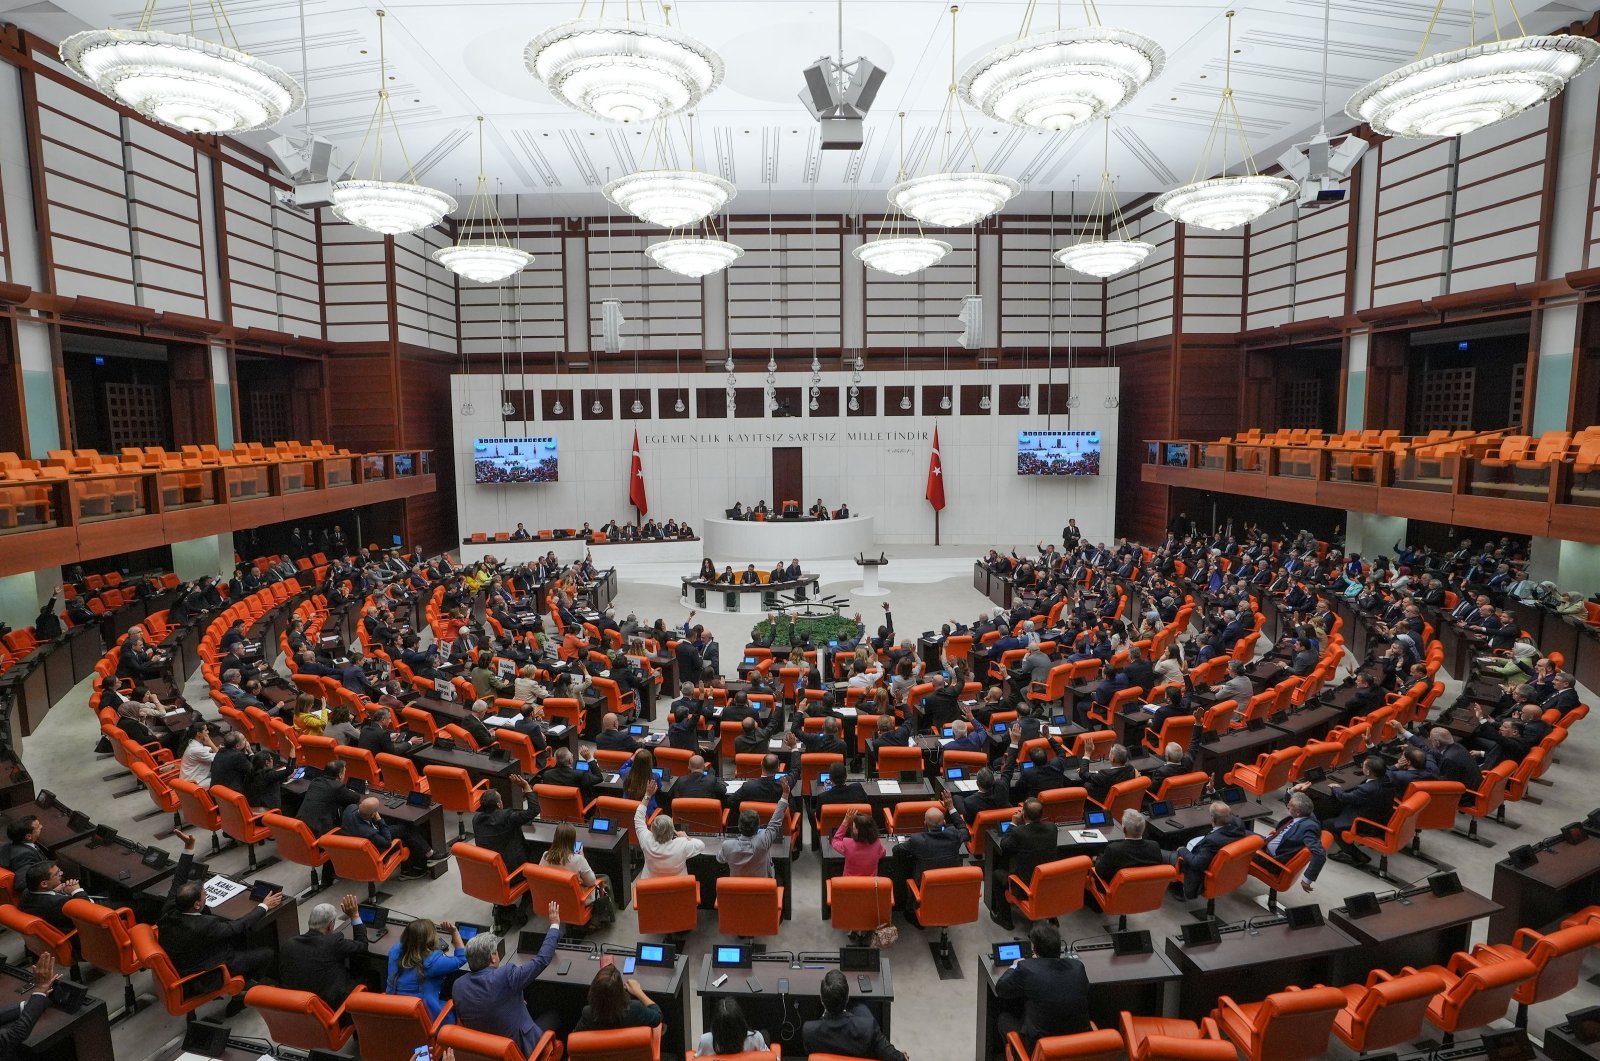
{"points": [[1462, 484], [49, 516]]}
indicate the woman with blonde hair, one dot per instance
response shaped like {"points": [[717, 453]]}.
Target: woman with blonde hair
{"points": [[566, 852], [636, 775], [309, 715]]}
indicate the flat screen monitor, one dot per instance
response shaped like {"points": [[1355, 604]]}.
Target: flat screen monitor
{"points": [[515, 460], [1058, 453]]}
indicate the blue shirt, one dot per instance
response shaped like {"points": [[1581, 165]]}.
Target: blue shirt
{"points": [[426, 987], [491, 1000]]}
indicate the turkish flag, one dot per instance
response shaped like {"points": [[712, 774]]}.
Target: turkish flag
{"points": [[935, 491], [636, 479]]}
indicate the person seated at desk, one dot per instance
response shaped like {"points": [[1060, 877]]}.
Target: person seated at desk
{"points": [[565, 852], [198, 754], [851, 1031], [1373, 799], [317, 960], [613, 738], [365, 819], [1047, 772], [563, 773], [22, 847], [890, 735], [938, 846], [1028, 844], [789, 508], [617, 1003], [1053, 988], [1453, 761], [1174, 761], [750, 577], [196, 939], [698, 783], [1298, 832], [730, 1033], [520, 534], [376, 737], [942, 706], [1237, 686], [498, 828], [418, 967], [17, 1020], [683, 723], [993, 794], [1098, 782], [967, 735], [491, 996], [820, 511], [827, 742], [728, 577], [753, 738], [750, 853], [1192, 861], [1133, 848], [47, 892], [792, 572]]}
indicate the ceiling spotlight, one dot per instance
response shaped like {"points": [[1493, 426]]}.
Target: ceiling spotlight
{"points": [[839, 94]]}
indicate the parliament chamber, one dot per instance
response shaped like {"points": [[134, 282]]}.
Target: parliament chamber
{"points": [[521, 539]]}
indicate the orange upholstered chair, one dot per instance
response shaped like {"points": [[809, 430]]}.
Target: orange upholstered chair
{"points": [[1123, 796], [1056, 888], [667, 906], [1385, 1011], [452, 788], [947, 897], [1229, 868], [561, 803], [1291, 1025], [1476, 992], [1268, 773], [399, 774], [559, 885], [292, 837], [104, 942], [749, 906], [391, 1027], [860, 904], [1169, 1039], [1394, 834], [1558, 958], [176, 993], [699, 815], [484, 875], [357, 858], [1182, 790], [1135, 890], [1101, 1045], [40, 935], [616, 1044], [240, 822], [301, 1019], [469, 1045], [198, 808]]}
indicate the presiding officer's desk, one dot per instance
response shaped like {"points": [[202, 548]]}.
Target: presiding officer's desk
{"points": [[763, 542], [757, 599], [1417, 930], [1138, 983], [567, 992], [1563, 880], [1248, 966], [57, 1034], [769, 1010]]}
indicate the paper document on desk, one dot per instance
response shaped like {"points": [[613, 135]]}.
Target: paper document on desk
{"points": [[847, 712], [1087, 836], [736, 784], [964, 786], [775, 745], [500, 720], [889, 788], [220, 889]]}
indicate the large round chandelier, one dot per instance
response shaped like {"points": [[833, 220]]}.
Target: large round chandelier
{"points": [[622, 70], [196, 85], [1095, 254], [389, 208], [1455, 92], [1056, 80], [671, 198], [950, 198], [482, 252], [901, 255], [953, 200], [1222, 203], [693, 256]]}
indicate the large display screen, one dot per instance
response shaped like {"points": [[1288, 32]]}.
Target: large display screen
{"points": [[1058, 453], [515, 460]]}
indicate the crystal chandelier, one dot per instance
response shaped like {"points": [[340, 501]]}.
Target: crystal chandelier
{"points": [[482, 251], [1094, 254], [1455, 92], [1223, 203], [195, 85], [949, 198], [694, 256], [389, 208], [1057, 79], [623, 70], [896, 253], [984, 403], [671, 198], [557, 409]]}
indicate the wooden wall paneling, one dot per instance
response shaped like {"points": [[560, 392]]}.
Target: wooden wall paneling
{"points": [[1412, 220], [1145, 413], [163, 192], [427, 422], [1209, 373], [13, 410], [190, 395], [933, 395], [85, 188], [785, 291], [307, 409], [1388, 378], [363, 401]]}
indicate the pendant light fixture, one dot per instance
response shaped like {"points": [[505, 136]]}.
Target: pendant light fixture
{"points": [[1104, 250], [695, 256], [952, 198], [1057, 79], [1458, 91], [1223, 203], [895, 250], [623, 69], [182, 80], [664, 195], [482, 252], [388, 208]]}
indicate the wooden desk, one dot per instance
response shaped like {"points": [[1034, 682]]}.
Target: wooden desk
{"points": [[608, 853], [1238, 746], [79, 1036], [110, 869], [56, 831], [1140, 983], [568, 992], [479, 767], [1561, 1044], [1562, 881], [1310, 723], [279, 926], [1185, 824], [1249, 968], [768, 1010], [1424, 932], [980, 577]]}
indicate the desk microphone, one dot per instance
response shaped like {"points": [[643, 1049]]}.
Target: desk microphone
{"points": [[1072, 948], [1251, 928]]}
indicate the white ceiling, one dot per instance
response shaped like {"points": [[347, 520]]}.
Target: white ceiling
{"points": [[452, 61]]}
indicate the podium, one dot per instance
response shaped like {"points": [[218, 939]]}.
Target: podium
{"points": [[869, 576]]}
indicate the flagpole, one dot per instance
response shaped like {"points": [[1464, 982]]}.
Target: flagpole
{"points": [[941, 468]]}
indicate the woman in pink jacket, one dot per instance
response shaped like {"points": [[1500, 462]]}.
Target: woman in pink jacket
{"points": [[857, 840]]}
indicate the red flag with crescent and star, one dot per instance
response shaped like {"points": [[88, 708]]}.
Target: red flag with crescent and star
{"points": [[636, 479], [935, 491]]}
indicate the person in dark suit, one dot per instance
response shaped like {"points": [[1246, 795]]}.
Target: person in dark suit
{"points": [[1030, 842], [318, 959], [366, 820], [1565, 698], [943, 705], [938, 846], [1372, 799], [844, 1029], [563, 773], [17, 1019], [1193, 860], [231, 767], [1053, 988], [1368, 695], [47, 892], [683, 728], [498, 828], [1117, 769], [22, 847], [376, 737], [1046, 772], [697, 783], [1131, 849], [197, 939], [1454, 761], [993, 794], [838, 789], [1298, 832], [613, 738], [1174, 761], [768, 788]]}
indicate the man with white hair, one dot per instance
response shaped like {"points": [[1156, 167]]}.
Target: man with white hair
{"points": [[489, 996], [317, 960]]}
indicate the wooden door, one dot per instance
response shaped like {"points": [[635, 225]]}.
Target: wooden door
{"points": [[788, 477]]}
